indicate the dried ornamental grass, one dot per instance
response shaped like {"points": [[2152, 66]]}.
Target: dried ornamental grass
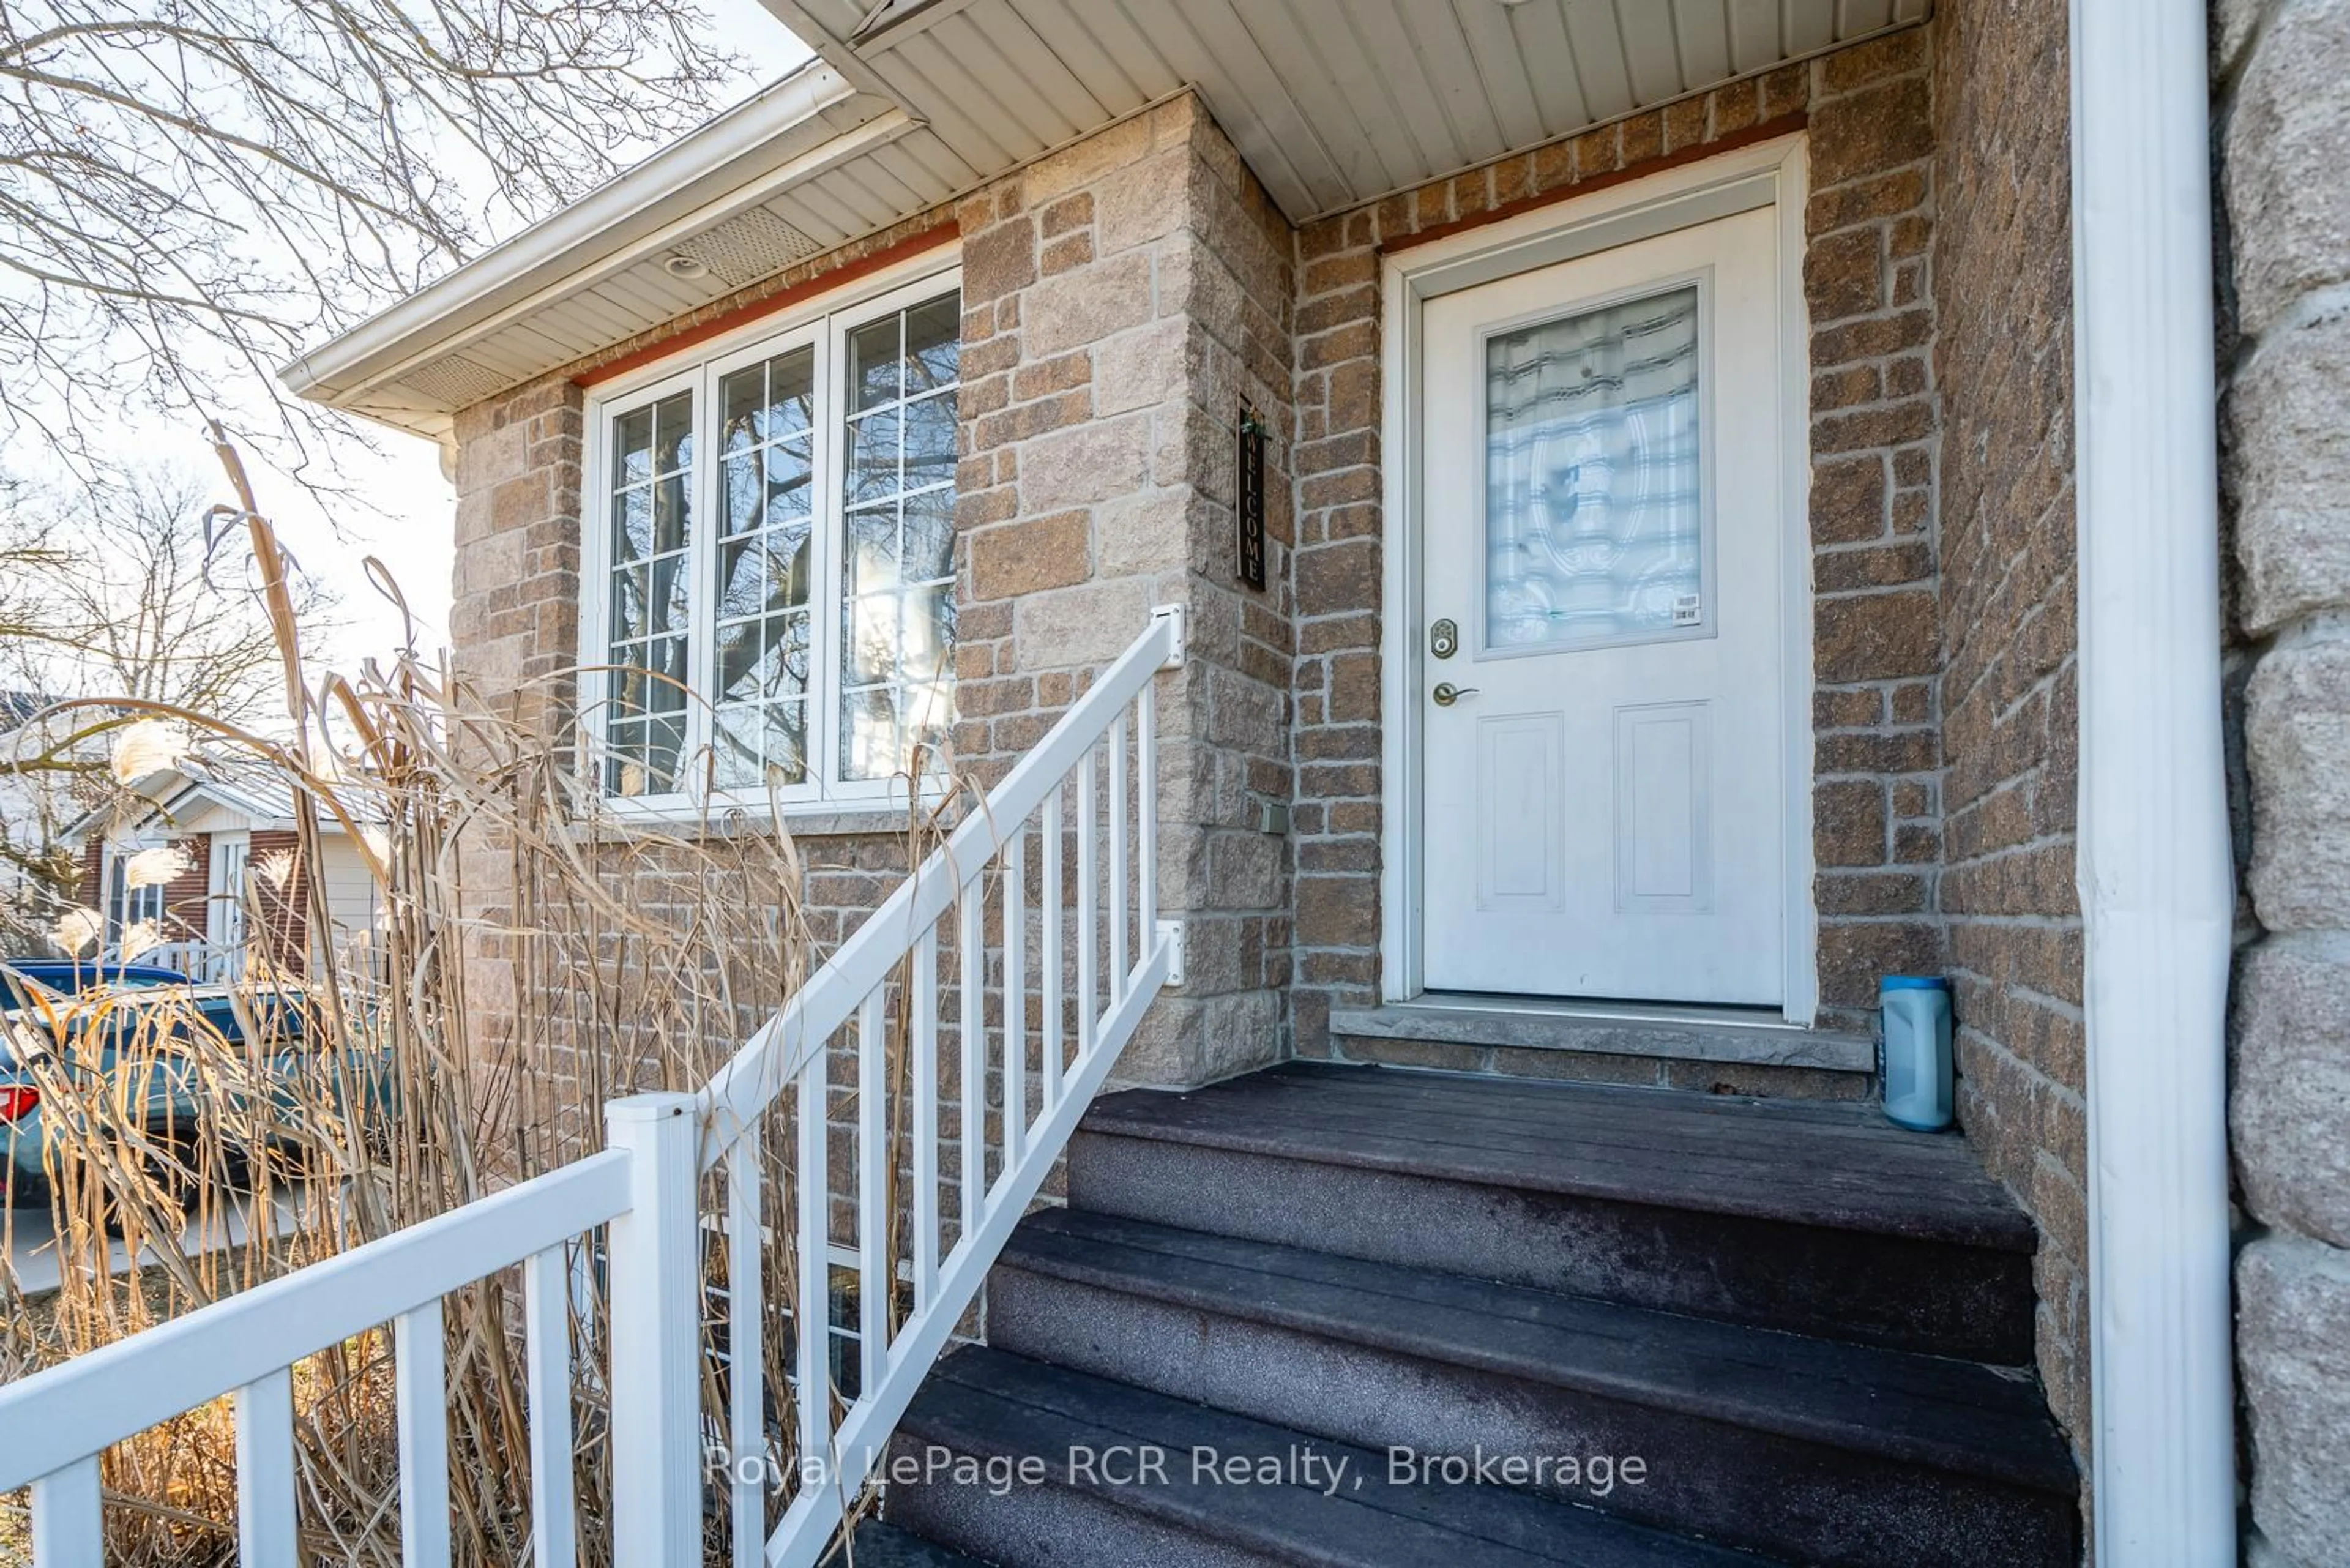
{"points": [[621, 960]]}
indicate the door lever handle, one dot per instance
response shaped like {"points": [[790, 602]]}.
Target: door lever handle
{"points": [[1447, 693]]}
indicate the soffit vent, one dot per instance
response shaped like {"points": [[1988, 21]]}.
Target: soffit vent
{"points": [[453, 381], [747, 247]]}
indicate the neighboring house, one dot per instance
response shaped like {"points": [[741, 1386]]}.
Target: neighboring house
{"points": [[225, 827], [1679, 512], [27, 803], [38, 804]]}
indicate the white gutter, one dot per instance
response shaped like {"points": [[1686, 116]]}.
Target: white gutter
{"points": [[630, 210], [2153, 870]]}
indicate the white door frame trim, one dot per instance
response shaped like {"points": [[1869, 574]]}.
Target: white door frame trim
{"points": [[221, 898], [1740, 181], [2154, 868]]}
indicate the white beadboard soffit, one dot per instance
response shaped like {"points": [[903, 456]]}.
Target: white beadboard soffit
{"points": [[912, 102]]}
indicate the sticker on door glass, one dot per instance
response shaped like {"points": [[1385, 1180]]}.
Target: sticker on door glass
{"points": [[1594, 502]]}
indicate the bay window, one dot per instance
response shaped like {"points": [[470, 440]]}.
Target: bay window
{"points": [[770, 573]]}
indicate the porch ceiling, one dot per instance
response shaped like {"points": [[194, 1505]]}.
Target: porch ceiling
{"points": [[912, 102], [1333, 102]]}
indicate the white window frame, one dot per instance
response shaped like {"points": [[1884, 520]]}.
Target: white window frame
{"points": [[113, 856], [823, 324]]}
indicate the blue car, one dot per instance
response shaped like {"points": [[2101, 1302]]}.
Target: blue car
{"points": [[137, 1027], [71, 977]]}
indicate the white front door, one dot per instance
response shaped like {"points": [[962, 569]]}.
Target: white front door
{"points": [[1603, 778]]}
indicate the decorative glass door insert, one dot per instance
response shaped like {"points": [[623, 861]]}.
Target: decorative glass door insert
{"points": [[1594, 516]]}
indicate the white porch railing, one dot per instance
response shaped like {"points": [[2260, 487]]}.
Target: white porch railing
{"points": [[205, 962], [1084, 801], [56, 1423]]}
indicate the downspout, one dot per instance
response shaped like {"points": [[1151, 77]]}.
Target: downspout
{"points": [[2154, 872]]}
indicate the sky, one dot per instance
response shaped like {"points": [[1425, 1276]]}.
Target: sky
{"points": [[410, 513]]}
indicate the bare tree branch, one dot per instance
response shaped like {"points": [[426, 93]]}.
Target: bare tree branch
{"points": [[191, 192], [124, 592], [118, 600]]}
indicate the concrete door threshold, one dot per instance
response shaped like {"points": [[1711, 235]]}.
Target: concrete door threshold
{"points": [[1619, 1028]]}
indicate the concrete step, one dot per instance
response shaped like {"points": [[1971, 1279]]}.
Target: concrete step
{"points": [[1226, 1491], [1816, 1450], [1818, 1218], [1743, 1050]]}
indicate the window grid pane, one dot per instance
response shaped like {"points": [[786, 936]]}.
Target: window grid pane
{"points": [[651, 586], [759, 672], [896, 666], [737, 607]]}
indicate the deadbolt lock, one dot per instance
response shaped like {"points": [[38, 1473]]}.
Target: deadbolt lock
{"points": [[1444, 639]]}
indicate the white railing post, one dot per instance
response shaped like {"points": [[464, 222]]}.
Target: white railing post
{"points": [[656, 1277], [1014, 897], [1051, 906], [1088, 898], [1118, 978], [54, 1423], [1151, 927], [421, 1401], [922, 1039], [746, 1364], [646, 1187], [1146, 814], [69, 1518], [546, 1350], [973, 1085], [873, 1280], [812, 1313], [267, 1480]]}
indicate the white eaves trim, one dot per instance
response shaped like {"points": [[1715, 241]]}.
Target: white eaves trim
{"points": [[180, 800], [739, 159]]}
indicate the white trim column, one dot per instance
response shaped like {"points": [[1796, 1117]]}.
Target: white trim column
{"points": [[2153, 870]]}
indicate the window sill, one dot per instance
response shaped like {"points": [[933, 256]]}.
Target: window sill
{"points": [[848, 821], [813, 819]]}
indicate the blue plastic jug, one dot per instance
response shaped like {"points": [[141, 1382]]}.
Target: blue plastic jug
{"points": [[1916, 1054]]}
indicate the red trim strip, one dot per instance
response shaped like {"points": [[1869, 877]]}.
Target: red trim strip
{"points": [[930, 239], [1784, 125]]}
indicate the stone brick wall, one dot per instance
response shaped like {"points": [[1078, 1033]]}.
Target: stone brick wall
{"points": [[514, 621], [2002, 285], [513, 630], [1875, 648], [2282, 120], [187, 905], [1123, 300], [1866, 278], [281, 919]]}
